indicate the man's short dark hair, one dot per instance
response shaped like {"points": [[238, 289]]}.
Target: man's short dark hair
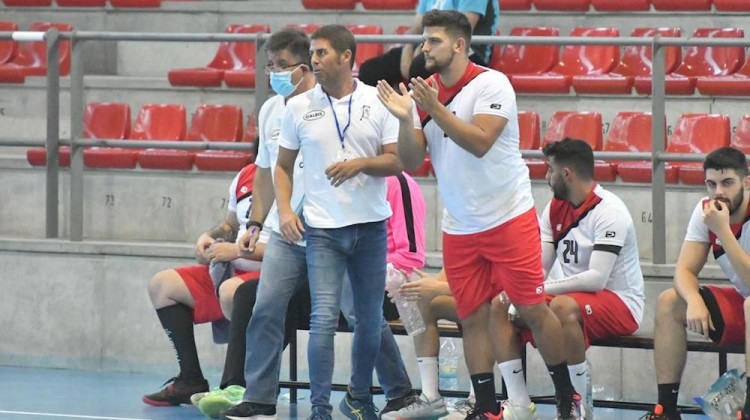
{"points": [[727, 158], [572, 153], [293, 40], [456, 24], [340, 37]]}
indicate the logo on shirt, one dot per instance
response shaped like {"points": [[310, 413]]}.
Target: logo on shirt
{"points": [[365, 112], [718, 242], [314, 115], [275, 134], [539, 290], [243, 189], [558, 227], [588, 309], [495, 106], [609, 234]]}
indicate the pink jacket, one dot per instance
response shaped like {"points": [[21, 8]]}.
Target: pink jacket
{"points": [[406, 225]]}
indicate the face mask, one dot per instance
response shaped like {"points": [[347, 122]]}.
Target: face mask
{"points": [[281, 82]]}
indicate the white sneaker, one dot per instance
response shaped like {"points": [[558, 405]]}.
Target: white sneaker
{"points": [[421, 408], [517, 412]]}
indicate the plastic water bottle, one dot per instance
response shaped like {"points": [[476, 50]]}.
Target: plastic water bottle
{"points": [[589, 387], [448, 365], [408, 311]]}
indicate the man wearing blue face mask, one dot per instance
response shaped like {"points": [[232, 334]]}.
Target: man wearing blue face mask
{"points": [[285, 267]]}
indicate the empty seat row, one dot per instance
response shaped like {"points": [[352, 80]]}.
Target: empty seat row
{"points": [[234, 62], [556, 5], [602, 70], [21, 59], [631, 132], [164, 122], [84, 3]]}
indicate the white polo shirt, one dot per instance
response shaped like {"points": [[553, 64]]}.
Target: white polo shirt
{"points": [[697, 231], [269, 128], [601, 220], [308, 124], [240, 202], [480, 193]]}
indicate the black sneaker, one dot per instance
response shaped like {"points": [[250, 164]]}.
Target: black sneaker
{"points": [[176, 392], [570, 407], [399, 403], [247, 410]]}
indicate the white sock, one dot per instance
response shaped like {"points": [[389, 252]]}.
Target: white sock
{"points": [[428, 371], [471, 391], [578, 378], [512, 372]]}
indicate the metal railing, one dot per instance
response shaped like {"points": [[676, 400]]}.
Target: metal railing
{"points": [[78, 38]]}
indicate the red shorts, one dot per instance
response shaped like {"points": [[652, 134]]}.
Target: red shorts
{"points": [[604, 315], [198, 281], [730, 303], [505, 258]]}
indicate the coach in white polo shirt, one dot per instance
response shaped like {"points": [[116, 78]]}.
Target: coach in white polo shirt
{"points": [[468, 116], [348, 142]]}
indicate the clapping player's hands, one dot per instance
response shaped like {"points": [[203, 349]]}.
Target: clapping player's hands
{"points": [[425, 93], [398, 104]]}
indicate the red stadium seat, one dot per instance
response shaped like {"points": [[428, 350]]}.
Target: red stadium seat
{"points": [[307, 28], [741, 136], [621, 5], [108, 121], [585, 126], [529, 138], [251, 132], [38, 156], [31, 59], [231, 56], [732, 5], [81, 3], [135, 3], [563, 5], [528, 59], [8, 48], [515, 5], [636, 61], [222, 123], [700, 61], [576, 60], [162, 122], [400, 30], [732, 85], [629, 132], [27, 3], [694, 133], [699, 133], [389, 4], [366, 51], [682, 5], [329, 4]]}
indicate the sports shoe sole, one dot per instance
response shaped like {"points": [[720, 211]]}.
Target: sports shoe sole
{"points": [[256, 417]]}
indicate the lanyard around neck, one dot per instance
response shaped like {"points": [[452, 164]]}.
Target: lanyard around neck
{"points": [[341, 133]]}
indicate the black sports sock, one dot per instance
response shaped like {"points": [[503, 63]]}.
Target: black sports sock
{"points": [[484, 390], [242, 310], [746, 410], [561, 378], [177, 321], [668, 397]]}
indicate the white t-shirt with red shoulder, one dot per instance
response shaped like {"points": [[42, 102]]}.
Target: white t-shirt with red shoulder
{"points": [[697, 231], [479, 193], [240, 202], [309, 125], [269, 129], [602, 220]]}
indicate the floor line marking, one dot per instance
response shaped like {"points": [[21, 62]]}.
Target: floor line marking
{"points": [[71, 416]]}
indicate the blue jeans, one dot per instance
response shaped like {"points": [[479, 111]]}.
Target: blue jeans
{"points": [[359, 250], [389, 366], [283, 271]]}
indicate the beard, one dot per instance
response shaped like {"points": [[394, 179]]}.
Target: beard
{"points": [[733, 204], [560, 190], [437, 67]]}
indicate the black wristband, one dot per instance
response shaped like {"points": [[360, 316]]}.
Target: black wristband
{"points": [[254, 223]]}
